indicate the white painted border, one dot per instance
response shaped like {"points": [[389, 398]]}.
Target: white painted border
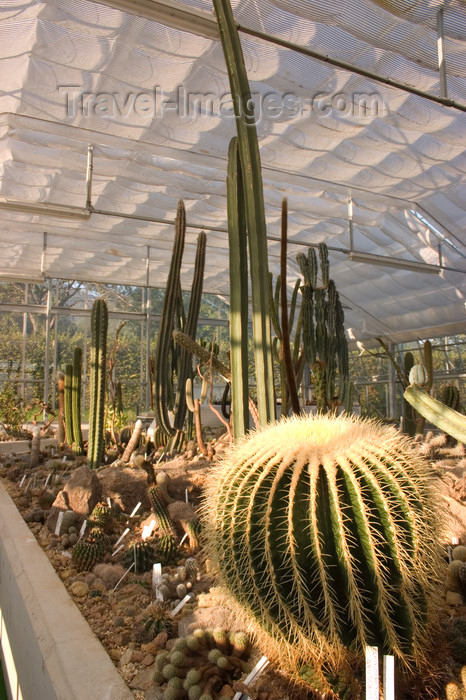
{"points": [[55, 653]]}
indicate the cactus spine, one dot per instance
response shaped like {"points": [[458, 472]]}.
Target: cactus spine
{"points": [[76, 401], [98, 355], [325, 533], [248, 148]]}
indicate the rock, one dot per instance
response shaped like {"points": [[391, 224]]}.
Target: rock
{"points": [[181, 512], [453, 598], [147, 660], [80, 589], [125, 658], [154, 693], [83, 490], [126, 486], [143, 680], [114, 654]]}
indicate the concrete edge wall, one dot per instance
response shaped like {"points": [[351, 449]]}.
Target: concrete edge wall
{"points": [[55, 653]]}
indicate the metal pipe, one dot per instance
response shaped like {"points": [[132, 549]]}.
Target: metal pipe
{"points": [[89, 171], [442, 63], [47, 347]]}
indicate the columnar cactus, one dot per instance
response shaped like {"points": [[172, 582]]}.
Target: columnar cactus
{"points": [[99, 327], [324, 341], [76, 401], [90, 550], [68, 404], [325, 532]]}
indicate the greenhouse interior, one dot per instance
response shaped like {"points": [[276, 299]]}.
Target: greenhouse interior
{"points": [[233, 350]]}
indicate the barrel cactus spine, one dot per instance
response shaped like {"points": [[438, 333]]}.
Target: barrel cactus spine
{"points": [[353, 558], [99, 327]]}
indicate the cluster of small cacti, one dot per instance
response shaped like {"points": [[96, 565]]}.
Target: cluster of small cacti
{"points": [[142, 555], [456, 573], [90, 550], [326, 534], [199, 666], [177, 585], [343, 686]]}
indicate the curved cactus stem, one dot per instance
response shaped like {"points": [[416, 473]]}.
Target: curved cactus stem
{"points": [[254, 206], [162, 370], [447, 419], [237, 241], [68, 404], [289, 369], [98, 357], [76, 401], [190, 328], [133, 442]]}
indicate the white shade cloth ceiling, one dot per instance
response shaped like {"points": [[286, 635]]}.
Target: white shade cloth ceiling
{"points": [[74, 73]]}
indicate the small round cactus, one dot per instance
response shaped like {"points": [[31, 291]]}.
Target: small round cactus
{"points": [[142, 554], [101, 516], [90, 551]]}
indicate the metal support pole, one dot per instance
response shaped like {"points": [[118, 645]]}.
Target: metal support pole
{"points": [[48, 318], [23, 348], [148, 324], [350, 221], [391, 385], [442, 64], [90, 168]]}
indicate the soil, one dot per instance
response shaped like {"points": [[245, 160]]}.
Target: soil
{"points": [[135, 627]]}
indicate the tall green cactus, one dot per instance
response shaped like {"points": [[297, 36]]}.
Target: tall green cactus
{"points": [[428, 366], [325, 345], [325, 531], [76, 401], [254, 206], [68, 403], [409, 415], [237, 241], [98, 358], [164, 364]]}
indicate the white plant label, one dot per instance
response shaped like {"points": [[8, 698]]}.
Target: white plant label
{"points": [[117, 549], [121, 537], [372, 673], [82, 530], [389, 677], [126, 572], [47, 480], [135, 509], [257, 671], [22, 481], [109, 503], [180, 605], [59, 522], [183, 538], [147, 530], [157, 580]]}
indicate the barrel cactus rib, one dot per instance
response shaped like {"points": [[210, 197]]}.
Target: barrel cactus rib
{"points": [[306, 521]]}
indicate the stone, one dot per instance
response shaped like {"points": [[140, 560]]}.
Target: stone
{"points": [[143, 679], [453, 598], [80, 589], [125, 658], [126, 486], [154, 693], [83, 490], [147, 660]]}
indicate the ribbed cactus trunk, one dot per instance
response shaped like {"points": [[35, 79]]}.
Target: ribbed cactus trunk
{"points": [[68, 404], [325, 533], [409, 414], [248, 148], [98, 359], [324, 341], [61, 407], [76, 401], [237, 243]]}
